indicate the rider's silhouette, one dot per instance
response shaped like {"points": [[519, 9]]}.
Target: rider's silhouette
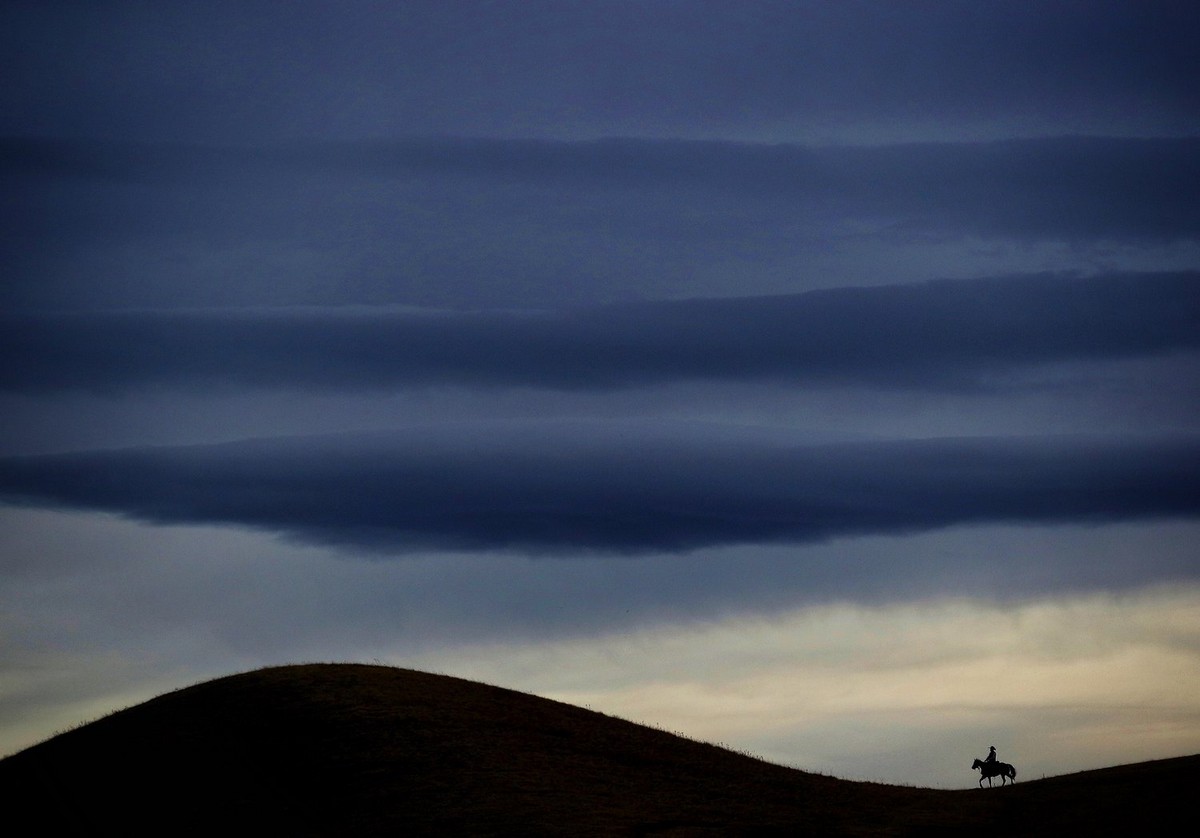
{"points": [[991, 757]]}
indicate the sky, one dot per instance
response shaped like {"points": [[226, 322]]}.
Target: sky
{"points": [[820, 379]]}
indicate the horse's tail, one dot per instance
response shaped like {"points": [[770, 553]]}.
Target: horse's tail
{"points": [[1012, 771]]}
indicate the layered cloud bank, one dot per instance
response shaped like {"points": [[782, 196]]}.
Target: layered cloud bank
{"points": [[805, 305], [935, 334], [517, 224], [604, 488], [1070, 187]]}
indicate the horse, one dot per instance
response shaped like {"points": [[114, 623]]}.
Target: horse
{"points": [[989, 770]]}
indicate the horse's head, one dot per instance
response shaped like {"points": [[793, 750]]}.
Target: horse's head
{"points": [[976, 764]]}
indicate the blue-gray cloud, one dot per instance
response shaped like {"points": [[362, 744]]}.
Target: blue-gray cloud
{"points": [[516, 223], [930, 335], [1062, 186], [238, 70], [588, 488]]}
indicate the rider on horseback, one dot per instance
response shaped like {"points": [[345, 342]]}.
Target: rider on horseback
{"points": [[991, 767]]}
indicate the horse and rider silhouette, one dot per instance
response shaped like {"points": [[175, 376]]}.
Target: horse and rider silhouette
{"points": [[991, 767]]}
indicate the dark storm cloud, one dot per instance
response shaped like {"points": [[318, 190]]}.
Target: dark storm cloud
{"points": [[624, 489], [935, 334]]}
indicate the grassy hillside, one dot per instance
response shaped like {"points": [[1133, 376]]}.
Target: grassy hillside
{"points": [[343, 749]]}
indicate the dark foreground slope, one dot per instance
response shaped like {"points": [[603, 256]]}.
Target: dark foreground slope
{"points": [[368, 750]]}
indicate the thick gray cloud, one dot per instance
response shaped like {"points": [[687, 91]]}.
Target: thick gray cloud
{"points": [[936, 334], [604, 488]]}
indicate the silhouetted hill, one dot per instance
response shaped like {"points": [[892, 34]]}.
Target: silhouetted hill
{"points": [[344, 749]]}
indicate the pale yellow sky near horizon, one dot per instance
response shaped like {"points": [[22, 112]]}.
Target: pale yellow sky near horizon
{"points": [[883, 693]]}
